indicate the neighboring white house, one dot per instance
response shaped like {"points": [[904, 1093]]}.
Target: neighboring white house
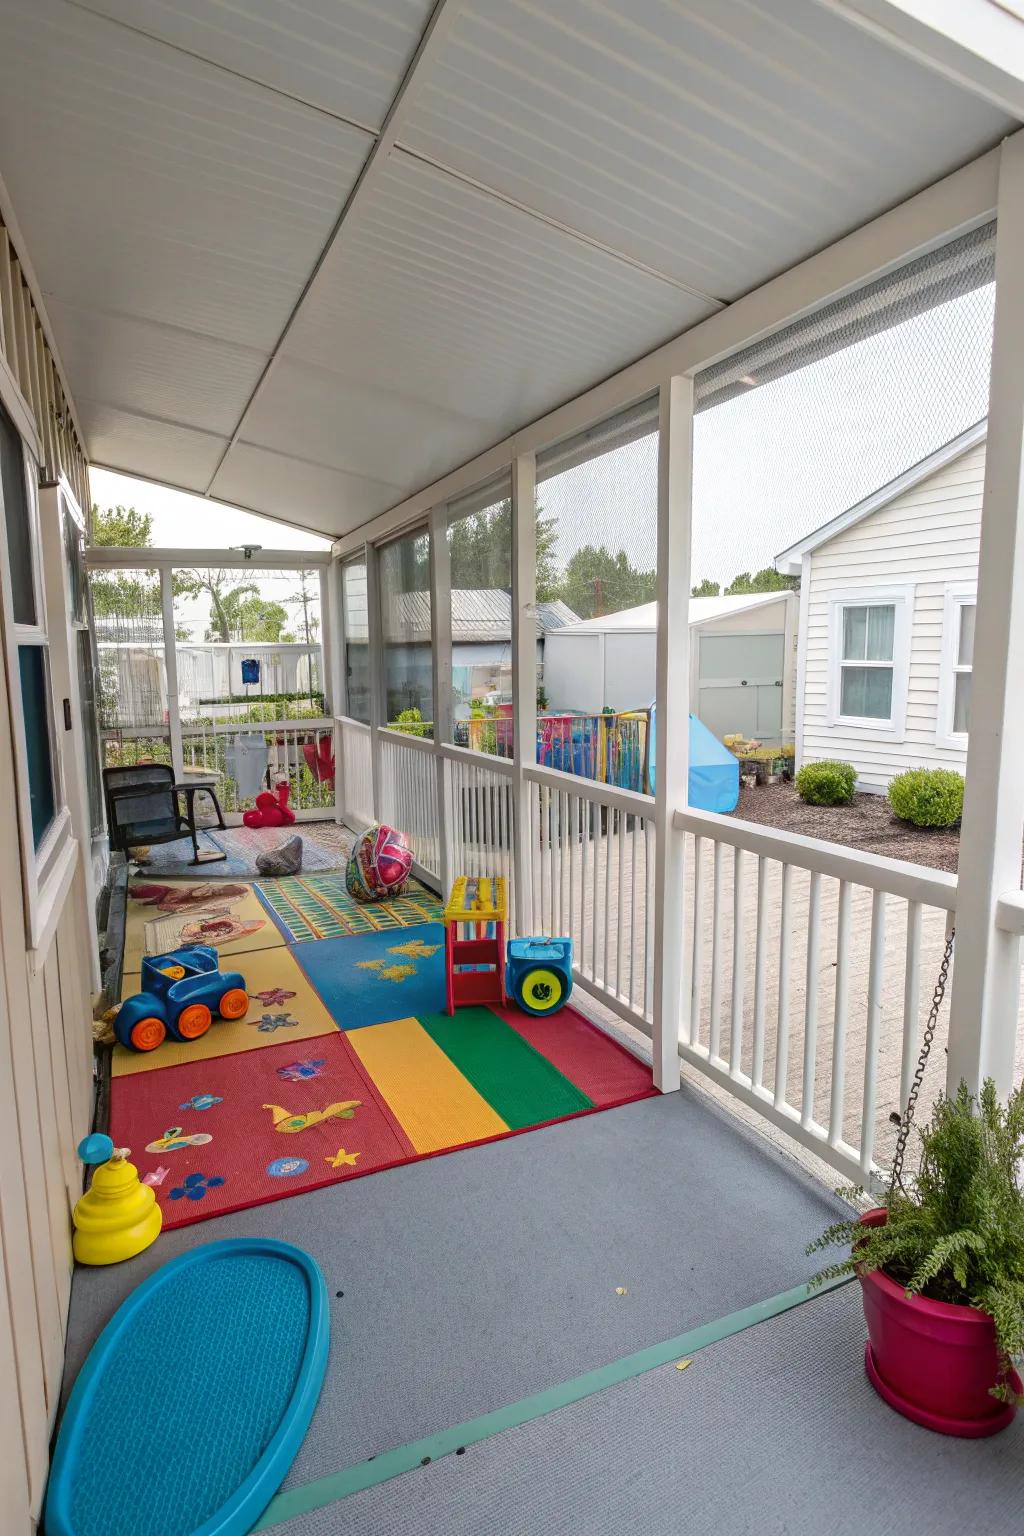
{"points": [[742, 663], [887, 603]]}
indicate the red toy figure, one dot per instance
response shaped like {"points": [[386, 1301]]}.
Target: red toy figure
{"points": [[271, 809]]}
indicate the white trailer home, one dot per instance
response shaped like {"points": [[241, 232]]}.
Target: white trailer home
{"points": [[742, 663], [887, 608]]}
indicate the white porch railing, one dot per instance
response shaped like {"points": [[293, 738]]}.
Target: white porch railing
{"points": [[294, 751], [809, 974], [593, 879], [480, 815], [355, 772], [408, 795]]}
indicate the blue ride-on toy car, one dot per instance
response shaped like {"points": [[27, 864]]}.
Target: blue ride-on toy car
{"points": [[181, 992], [539, 974]]}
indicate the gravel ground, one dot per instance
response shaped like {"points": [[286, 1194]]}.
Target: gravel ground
{"points": [[867, 824]]}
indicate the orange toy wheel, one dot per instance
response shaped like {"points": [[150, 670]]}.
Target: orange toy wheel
{"points": [[147, 1034], [193, 1021], [234, 1004]]}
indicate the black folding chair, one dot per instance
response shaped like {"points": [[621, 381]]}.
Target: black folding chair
{"points": [[144, 807]]}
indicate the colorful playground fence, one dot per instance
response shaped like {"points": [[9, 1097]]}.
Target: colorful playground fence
{"points": [[609, 748]]}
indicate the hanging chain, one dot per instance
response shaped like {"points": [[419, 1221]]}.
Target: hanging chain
{"points": [[922, 1062]]}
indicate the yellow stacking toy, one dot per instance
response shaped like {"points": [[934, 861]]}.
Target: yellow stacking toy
{"points": [[118, 1216]]}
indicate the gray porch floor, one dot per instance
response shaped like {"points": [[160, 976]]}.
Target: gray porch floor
{"points": [[773, 1432], [473, 1280]]}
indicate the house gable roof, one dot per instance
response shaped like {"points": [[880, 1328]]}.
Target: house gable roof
{"points": [[790, 559]]}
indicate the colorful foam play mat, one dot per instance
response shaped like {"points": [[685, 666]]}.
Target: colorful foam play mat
{"points": [[162, 915], [368, 978], [307, 907], [222, 1133], [282, 1006]]}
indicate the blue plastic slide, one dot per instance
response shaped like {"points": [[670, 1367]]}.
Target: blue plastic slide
{"points": [[714, 772]]}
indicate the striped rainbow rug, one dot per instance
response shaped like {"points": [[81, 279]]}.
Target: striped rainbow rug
{"points": [[308, 907], [224, 1133]]}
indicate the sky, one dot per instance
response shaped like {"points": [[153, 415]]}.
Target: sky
{"points": [[191, 522], [769, 466]]}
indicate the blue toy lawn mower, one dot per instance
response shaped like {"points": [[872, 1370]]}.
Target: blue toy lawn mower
{"points": [[181, 992], [539, 974]]}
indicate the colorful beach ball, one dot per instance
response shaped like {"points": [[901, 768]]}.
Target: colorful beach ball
{"points": [[380, 864]]}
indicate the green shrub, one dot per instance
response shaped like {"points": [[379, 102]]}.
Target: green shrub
{"points": [[928, 797], [826, 783]]}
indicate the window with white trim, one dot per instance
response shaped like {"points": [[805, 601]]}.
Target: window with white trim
{"points": [[869, 659], [957, 667], [44, 821]]}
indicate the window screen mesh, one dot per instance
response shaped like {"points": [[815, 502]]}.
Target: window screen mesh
{"points": [[791, 432]]}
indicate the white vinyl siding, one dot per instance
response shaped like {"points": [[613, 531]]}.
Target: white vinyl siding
{"points": [[927, 537]]}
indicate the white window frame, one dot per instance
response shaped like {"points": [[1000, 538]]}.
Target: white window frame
{"points": [[47, 871], [956, 596], [901, 599]]}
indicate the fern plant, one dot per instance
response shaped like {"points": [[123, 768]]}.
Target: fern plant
{"points": [[957, 1234]]}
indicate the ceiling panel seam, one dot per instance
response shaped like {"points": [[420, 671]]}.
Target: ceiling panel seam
{"points": [[441, 19], [237, 74], [404, 152]]}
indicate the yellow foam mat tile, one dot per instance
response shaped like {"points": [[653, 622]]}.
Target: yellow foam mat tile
{"points": [[429, 1097], [289, 1009]]}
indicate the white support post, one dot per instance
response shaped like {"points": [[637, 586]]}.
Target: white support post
{"points": [[375, 660], [171, 673], [334, 671], [675, 481], [986, 975], [441, 678], [524, 674]]}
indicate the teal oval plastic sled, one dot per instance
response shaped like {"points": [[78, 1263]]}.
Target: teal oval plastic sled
{"points": [[195, 1398]]}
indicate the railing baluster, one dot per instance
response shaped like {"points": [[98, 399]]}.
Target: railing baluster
{"points": [[842, 1009], [760, 964], [609, 843], [632, 912], [782, 1026], [697, 968], [565, 865], [554, 840], [715, 1022], [586, 811], [620, 926], [599, 850], [649, 873], [811, 1000], [911, 1000], [876, 980], [574, 815], [738, 961]]}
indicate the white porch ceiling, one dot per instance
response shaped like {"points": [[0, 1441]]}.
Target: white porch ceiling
{"points": [[555, 188]]}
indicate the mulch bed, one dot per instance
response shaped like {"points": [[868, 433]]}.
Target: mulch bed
{"points": [[867, 824]]}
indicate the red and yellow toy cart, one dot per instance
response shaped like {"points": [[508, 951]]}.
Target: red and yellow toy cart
{"points": [[474, 941]]}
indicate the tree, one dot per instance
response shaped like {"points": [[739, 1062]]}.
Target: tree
{"points": [[248, 616], [122, 528], [126, 595], [480, 547], [706, 588], [598, 582], [305, 597], [766, 580]]}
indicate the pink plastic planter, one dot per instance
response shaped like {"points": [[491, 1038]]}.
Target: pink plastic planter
{"points": [[932, 1361]]}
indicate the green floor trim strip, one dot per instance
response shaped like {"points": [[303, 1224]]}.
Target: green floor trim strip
{"points": [[405, 1458], [518, 1082]]}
